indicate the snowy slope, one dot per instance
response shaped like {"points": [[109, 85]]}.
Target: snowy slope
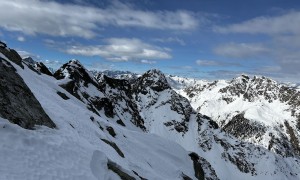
{"points": [[83, 146]]}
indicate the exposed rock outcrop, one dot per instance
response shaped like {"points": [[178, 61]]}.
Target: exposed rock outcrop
{"points": [[17, 103]]}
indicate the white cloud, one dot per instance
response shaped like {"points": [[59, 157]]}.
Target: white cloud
{"points": [[207, 63], [145, 61], [270, 69], [54, 64], [100, 66], [241, 50], [283, 46], [25, 54], [52, 18], [283, 24], [121, 50], [21, 39], [216, 63], [170, 40]]}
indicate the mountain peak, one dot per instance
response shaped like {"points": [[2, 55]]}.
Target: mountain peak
{"points": [[38, 67], [72, 69], [11, 54], [154, 79], [29, 60], [75, 62], [155, 72]]}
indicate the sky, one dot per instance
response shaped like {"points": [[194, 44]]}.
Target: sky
{"points": [[205, 39]]}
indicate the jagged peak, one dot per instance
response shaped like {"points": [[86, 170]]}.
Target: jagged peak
{"points": [[154, 79], [155, 75], [75, 61], [29, 60], [72, 66], [155, 72], [36, 66], [11, 54], [244, 79], [73, 69], [2, 44]]}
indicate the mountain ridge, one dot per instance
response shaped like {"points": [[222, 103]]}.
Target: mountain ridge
{"points": [[148, 128]]}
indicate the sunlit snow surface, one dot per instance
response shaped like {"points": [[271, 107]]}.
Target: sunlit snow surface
{"points": [[79, 153]]}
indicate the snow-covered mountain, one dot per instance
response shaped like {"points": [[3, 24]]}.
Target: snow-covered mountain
{"points": [[257, 110], [83, 125]]}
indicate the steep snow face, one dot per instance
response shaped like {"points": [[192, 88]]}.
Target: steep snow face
{"points": [[257, 110], [84, 145]]}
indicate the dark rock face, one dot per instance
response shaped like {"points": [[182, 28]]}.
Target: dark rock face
{"points": [[118, 170], [181, 106], [238, 158], [293, 139], [150, 87], [209, 172], [178, 126], [37, 67], [112, 94], [114, 145], [103, 103], [17, 103], [78, 80], [62, 95], [191, 91], [242, 128], [199, 173], [120, 93], [76, 72], [111, 131], [280, 144], [153, 79], [11, 54], [43, 69]]}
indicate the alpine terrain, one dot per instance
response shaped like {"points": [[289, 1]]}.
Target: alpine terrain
{"points": [[81, 124]]}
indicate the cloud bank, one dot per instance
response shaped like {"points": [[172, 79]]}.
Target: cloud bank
{"points": [[122, 50], [52, 18]]}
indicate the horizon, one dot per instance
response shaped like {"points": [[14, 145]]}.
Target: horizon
{"points": [[209, 80], [200, 39]]}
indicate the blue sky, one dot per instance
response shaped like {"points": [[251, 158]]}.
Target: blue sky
{"points": [[208, 39]]}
